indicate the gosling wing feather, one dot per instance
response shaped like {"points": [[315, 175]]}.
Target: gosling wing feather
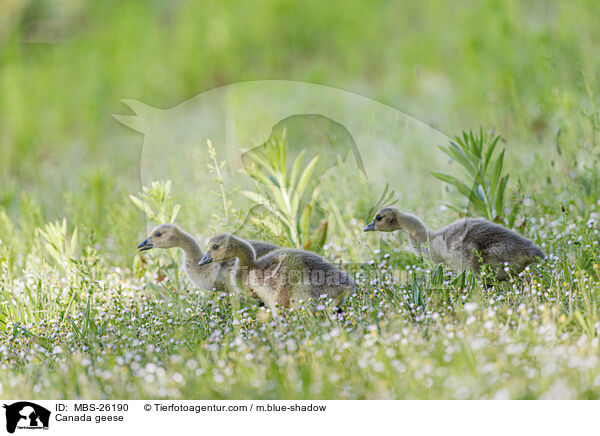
{"points": [[487, 242], [292, 274], [273, 270]]}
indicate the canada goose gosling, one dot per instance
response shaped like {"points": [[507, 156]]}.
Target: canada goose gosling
{"points": [[281, 277], [464, 244], [171, 236]]}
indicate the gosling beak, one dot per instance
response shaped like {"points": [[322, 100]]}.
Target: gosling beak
{"points": [[145, 245], [370, 227], [206, 259]]}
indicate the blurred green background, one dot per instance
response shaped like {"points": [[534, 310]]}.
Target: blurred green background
{"points": [[527, 69]]}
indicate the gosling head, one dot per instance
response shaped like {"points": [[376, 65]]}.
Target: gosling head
{"points": [[385, 220], [162, 236], [220, 248]]}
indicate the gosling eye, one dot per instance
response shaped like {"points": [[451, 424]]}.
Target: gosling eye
{"points": [[215, 246], [157, 234], [378, 217]]}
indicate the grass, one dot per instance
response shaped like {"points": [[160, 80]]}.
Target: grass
{"points": [[79, 327], [82, 316]]}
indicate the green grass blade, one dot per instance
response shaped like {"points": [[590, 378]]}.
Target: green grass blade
{"points": [[305, 176]]}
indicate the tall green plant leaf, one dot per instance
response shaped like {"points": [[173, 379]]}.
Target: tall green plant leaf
{"points": [[487, 185]]}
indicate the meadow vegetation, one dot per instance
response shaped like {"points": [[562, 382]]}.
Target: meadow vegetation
{"points": [[82, 315]]}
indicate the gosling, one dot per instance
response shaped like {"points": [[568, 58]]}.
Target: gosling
{"points": [[215, 276], [465, 244], [283, 277]]}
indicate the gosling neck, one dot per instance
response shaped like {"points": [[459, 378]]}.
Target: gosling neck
{"points": [[244, 252], [190, 247], [419, 235]]}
